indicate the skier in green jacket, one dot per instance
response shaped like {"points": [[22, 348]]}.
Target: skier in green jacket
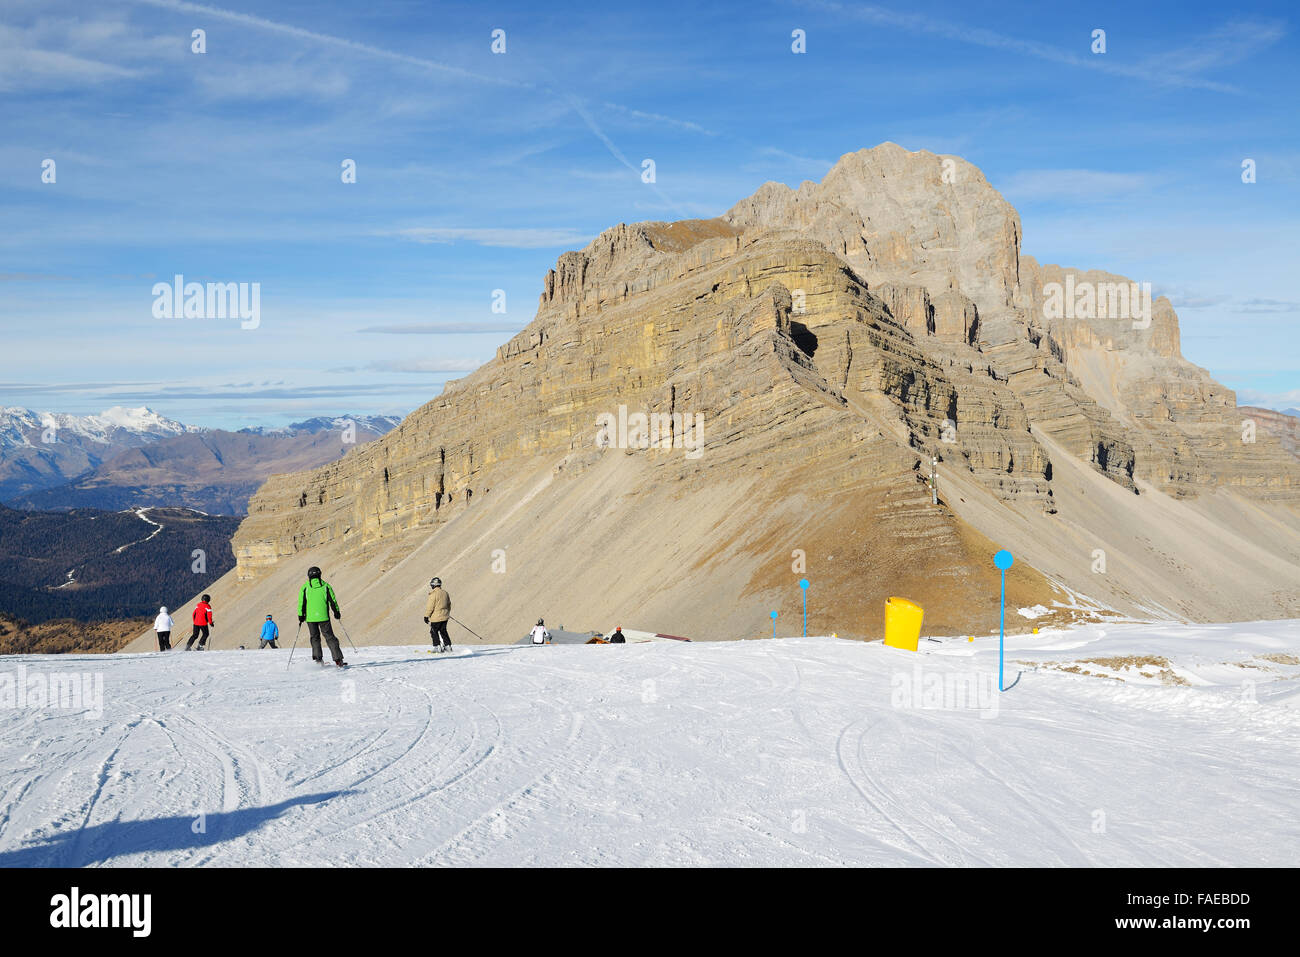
{"points": [[315, 602]]}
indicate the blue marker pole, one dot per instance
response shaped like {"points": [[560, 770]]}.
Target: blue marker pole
{"points": [[803, 583], [1004, 561], [773, 624]]}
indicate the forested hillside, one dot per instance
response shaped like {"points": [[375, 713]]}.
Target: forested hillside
{"points": [[96, 566]]}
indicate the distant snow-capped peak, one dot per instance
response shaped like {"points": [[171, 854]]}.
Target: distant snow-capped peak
{"points": [[143, 419], [20, 426], [378, 424]]}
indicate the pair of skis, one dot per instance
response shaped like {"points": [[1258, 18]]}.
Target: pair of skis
{"points": [[321, 662]]}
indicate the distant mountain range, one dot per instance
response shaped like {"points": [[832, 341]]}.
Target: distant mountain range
{"points": [[127, 458], [95, 565]]}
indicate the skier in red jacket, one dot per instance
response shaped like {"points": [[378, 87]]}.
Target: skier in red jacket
{"points": [[202, 622]]}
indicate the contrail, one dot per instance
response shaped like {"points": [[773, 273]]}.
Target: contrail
{"points": [[261, 23], [978, 36], [251, 20]]}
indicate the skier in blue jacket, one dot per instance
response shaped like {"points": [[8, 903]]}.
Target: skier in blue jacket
{"points": [[270, 632]]}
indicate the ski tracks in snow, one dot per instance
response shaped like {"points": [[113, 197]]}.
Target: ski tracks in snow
{"points": [[786, 752]]}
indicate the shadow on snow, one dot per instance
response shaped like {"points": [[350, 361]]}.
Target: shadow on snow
{"points": [[102, 842]]}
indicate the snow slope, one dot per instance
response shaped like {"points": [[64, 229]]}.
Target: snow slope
{"points": [[777, 752]]}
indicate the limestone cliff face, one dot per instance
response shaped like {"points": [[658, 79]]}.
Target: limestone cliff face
{"points": [[1095, 361], [914, 218], [1282, 426], [831, 342]]}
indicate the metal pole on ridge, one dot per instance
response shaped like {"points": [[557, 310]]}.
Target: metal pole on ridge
{"points": [[803, 583], [1003, 560]]}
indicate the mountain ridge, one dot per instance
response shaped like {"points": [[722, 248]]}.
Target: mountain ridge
{"points": [[115, 460], [837, 338]]}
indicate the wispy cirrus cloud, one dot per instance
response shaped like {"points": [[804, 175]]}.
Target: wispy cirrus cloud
{"points": [[302, 33], [488, 236], [1179, 67], [1186, 299], [1223, 46], [1269, 305], [274, 82], [804, 165], [150, 392], [1086, 184], [441, 328], [1280, 401], [418, 366], [24, 65]]}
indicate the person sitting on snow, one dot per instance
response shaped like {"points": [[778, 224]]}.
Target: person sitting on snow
{"points": [[617, 638], [539, 634]]}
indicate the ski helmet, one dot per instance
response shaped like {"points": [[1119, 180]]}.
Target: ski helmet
{"points": [[207, 598], [162, 610], [435, 582], [313, 572], [540, 622]]}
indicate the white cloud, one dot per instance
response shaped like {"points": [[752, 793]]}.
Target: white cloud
{"points": [[1090, 184], [441, 328], [23, 66], [421, 366], [514, 238], [267, 82], [1281, 401], [1269, 305], [1175, 68]]}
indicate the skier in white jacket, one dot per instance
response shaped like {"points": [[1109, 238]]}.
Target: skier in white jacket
{"points": [[163, 626], [539, 633]]}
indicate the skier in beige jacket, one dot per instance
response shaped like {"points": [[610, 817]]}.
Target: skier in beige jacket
{"points": [[437, 610]]}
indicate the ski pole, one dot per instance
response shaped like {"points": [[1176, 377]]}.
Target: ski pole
{"points": [[469, 629], [347, 636], [295, 645]]}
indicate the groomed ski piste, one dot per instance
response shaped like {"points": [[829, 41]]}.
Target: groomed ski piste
{"points": [[1117, 744]]}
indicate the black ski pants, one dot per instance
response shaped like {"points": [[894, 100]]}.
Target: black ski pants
{"points": [[314, 631]]}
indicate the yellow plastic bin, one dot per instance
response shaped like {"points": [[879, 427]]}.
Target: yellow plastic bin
{"points": [[903, 623]]}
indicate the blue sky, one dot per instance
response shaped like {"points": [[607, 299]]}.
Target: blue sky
{"points": [[476, 170]]}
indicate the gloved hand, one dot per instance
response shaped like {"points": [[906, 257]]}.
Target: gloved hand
{"points": [[301, 619], [337, 616], [426, 621]]}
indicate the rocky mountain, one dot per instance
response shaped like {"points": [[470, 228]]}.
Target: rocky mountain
{"points": [[92, 565], [39, 450], [704, 412], [370, 424], [147, 460], [1284, 426]]}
